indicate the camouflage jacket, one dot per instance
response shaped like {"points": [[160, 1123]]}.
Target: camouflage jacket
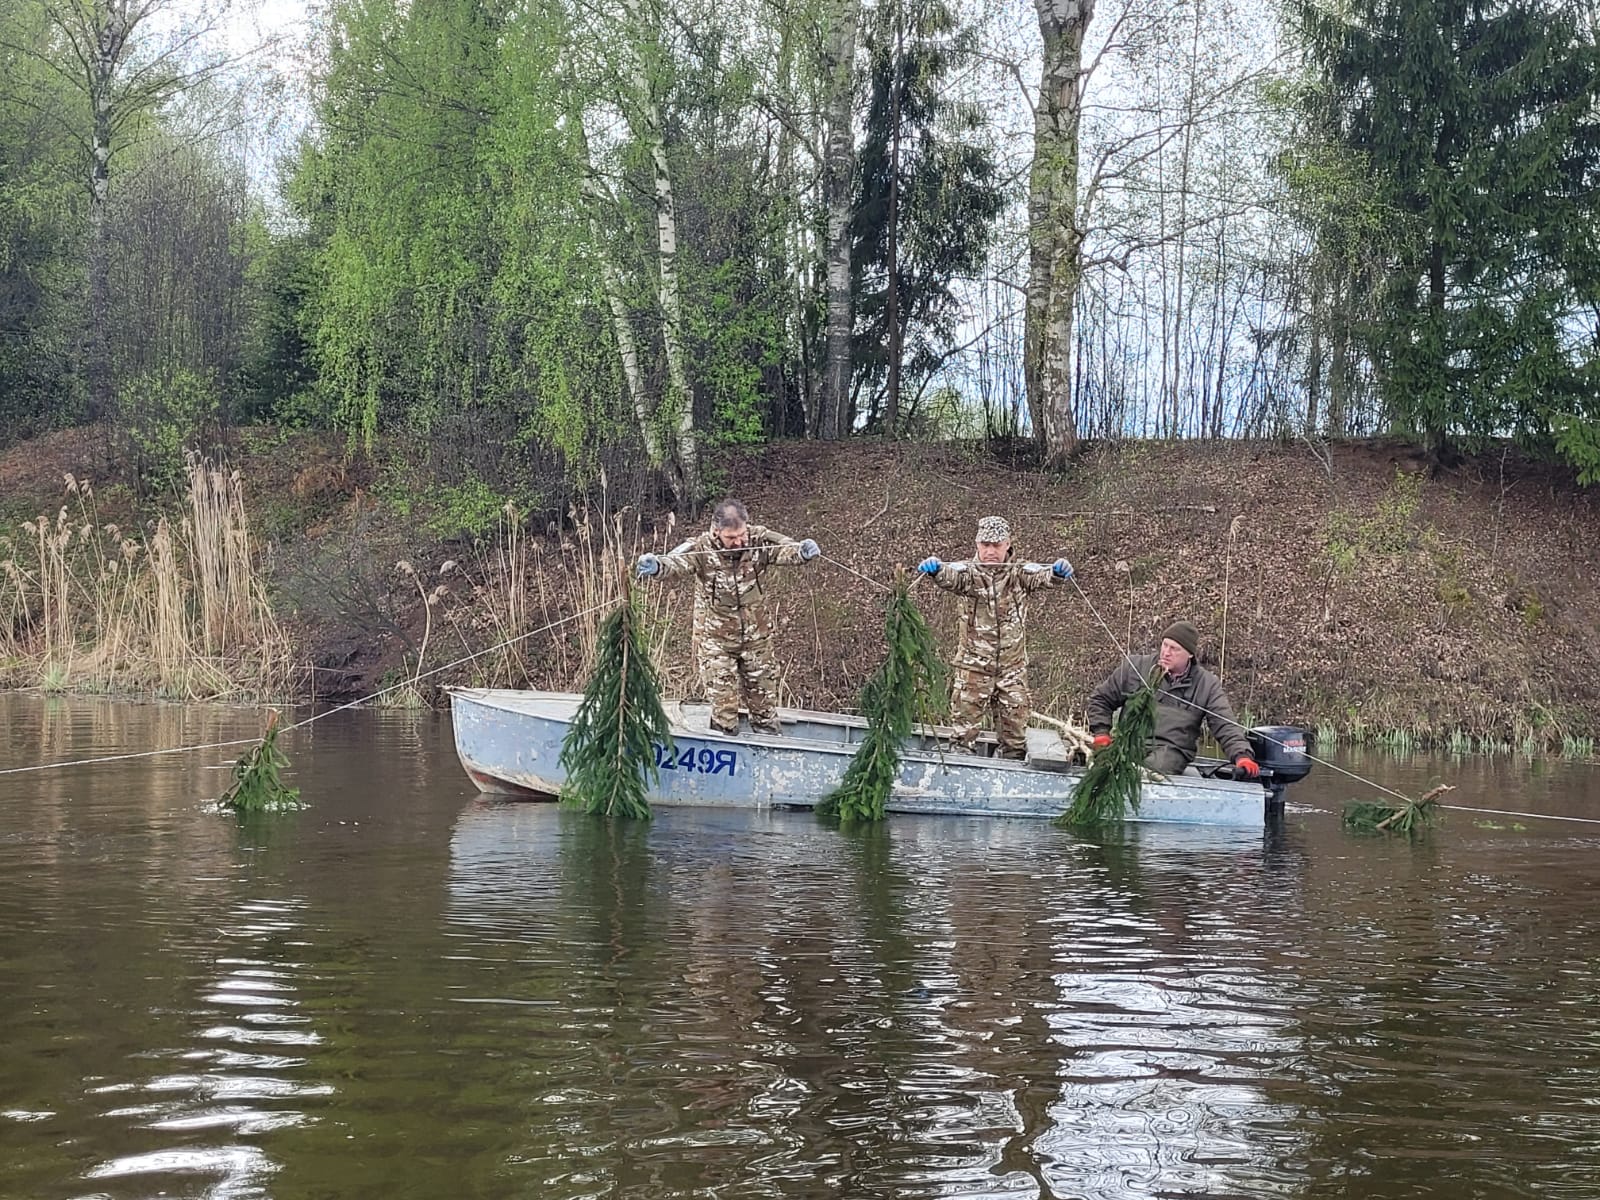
{"points": [[730, 608], [995, 617], [1182, 706]]}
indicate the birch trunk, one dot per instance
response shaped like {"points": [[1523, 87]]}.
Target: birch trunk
{"points": [[838, 180], [108, 27], [1055, 266], [627, 345], [678, 401]]}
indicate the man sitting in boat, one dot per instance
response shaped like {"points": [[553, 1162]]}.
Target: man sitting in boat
{"points": [[991, 662], [1187, 695], [732, 625]]}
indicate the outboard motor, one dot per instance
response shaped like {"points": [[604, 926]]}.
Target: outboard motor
{"points": [[1281, 751]]}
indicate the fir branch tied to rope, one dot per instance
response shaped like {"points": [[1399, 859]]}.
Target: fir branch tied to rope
{"points": [[256, 786], [1109, 789], [609, 751], [908, 687], [1403, 820]]}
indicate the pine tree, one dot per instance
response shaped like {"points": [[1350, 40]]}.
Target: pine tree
{"points": [[609, 751], [1479, 126]]}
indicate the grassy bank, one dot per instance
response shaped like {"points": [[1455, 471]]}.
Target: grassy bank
{"points": [[1348, 589]]}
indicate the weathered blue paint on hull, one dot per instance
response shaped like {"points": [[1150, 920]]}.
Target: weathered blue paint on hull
{"points": [[510, 741]]}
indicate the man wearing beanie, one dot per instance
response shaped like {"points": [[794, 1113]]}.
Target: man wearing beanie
{"points": [[991, 661], [1186, 695]]}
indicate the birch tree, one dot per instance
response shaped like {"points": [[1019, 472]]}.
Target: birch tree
{"points": [[123, 59], [1054, 236], [838, 174]]}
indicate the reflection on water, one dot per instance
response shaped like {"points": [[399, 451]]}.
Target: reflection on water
{"points": [[406, 990]]}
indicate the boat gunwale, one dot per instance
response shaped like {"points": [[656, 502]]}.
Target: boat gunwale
{"points": [[946, 760]]}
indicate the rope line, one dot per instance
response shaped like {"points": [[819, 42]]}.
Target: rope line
{"points": [[1506, 812], [877, 583], [311, 720]]}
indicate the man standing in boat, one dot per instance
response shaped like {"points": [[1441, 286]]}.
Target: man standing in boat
{"points": [[732, 625], [991, 662], [1186, 695]]}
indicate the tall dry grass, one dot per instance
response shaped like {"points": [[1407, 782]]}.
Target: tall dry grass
{"points": [[178, 609], [520, 585]]}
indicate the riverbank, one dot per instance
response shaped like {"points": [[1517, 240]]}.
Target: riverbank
{"points": [[1347, 588]]}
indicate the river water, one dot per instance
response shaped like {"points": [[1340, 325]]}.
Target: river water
{"points": [[404, 990]]}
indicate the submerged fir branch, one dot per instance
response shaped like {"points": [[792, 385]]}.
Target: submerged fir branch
{"points": [[256, 786], [1109, 789], [1403, 819], [609, 751], [907, 688]]}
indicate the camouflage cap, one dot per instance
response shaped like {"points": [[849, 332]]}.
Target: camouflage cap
{"points": [[993, 530]]}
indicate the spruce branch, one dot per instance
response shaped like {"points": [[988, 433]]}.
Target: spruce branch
{"points": [[609, 750], [256, 786], [907, 688], [1109, 789]]}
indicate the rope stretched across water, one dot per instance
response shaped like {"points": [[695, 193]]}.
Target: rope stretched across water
{"points": [[312, 720]]}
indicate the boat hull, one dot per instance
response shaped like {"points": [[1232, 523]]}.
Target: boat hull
{"points": [[510, 743]]}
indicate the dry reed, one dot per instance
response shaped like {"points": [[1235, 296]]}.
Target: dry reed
{"points": [[180, 610]]}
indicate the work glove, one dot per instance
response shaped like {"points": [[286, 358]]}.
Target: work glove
{"points": [[1100, 741], [1061, 568], [929, 566], [649, 564], [809, 550], [1250, 768]]}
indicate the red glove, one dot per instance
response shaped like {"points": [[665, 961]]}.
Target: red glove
{"points": [[1101, 741], [1250, 767]]}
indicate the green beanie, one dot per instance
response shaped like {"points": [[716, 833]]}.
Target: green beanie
{"points": [[1185, 635]]}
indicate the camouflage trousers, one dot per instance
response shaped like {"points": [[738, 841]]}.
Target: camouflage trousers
{"points": [[732, 674], [975, 691]]}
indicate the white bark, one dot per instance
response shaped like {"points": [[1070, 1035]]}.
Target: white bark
{"points": [[622, 330], [838, 180], [645, 119]]}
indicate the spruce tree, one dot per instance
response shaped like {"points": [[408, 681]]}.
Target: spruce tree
{"points": [[927, 196], [1479, 126]]}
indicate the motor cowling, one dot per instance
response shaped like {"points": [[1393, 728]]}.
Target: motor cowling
{"points": [[1281, 751]]}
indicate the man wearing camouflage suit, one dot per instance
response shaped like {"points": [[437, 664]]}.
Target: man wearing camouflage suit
{"points": [[991, 662], [732, 626]]}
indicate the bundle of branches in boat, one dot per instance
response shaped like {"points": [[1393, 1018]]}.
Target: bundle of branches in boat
{"points": [[257, 786], [1403, 818], [609, 750], [1109, 790], [907, 688]]}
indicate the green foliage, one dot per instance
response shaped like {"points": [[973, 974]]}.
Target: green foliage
{"points": [[41, 231], [472, 508], [1351, 543], [453, 272], [908, 687], [165, 415], [1479, 129], [256, 785], [1406, 819], [1109, 788], [609, 751], [947, 196]]}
